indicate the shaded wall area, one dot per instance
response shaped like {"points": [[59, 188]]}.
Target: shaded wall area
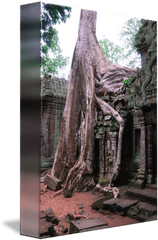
{"points": [[53, 98]]}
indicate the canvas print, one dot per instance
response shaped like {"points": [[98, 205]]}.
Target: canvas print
{"points": [[98, 121], [98, 126]]}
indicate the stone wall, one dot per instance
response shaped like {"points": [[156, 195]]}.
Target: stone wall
{"points": [[53, 97], [137, 106]]}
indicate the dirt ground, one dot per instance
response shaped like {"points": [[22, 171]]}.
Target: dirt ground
{"points": [[78, 202]]}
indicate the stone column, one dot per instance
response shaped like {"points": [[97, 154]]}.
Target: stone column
{"points": [[149, 154], [114, 146], [142, 150], [140, 182]]}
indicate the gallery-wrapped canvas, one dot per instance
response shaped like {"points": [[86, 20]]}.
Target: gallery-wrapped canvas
{"points": [[88, 120]]}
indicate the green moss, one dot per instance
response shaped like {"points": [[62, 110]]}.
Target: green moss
{"points": [[104, 181], [94, 191], [99, 206], [125, 194], [68, 194], [114, 208], [68, 221]]}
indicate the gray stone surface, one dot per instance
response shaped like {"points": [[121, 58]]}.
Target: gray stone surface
{"points": [[85, 225], [46, 228], [119, 204], [141, 217], [147, 209], [153, 218], [125, 204], [143, 194], [44, 212], [98, 203], [131, 213]]}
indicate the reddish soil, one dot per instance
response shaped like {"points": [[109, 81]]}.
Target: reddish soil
{"points": [[61, 206]]}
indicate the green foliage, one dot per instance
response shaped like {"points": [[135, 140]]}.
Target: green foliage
{"points": [[127, 34], [68, 194], [99, 206], [128, 81], [114, 208], [51, 54], [129, 30], [53, 14], [94, 191], [104, 181], [112, 52], [54, 63]]}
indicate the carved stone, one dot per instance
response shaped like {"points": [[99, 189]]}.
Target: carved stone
{"points": [[149, 154]]}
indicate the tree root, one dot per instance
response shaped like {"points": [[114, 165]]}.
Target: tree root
{"points": [[105, 107], [75, 176], [108, 189]]}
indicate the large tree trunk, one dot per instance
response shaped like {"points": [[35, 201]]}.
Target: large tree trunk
{"points": [[91, 77]]}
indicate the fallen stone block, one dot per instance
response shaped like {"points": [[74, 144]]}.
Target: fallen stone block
{"points": [[119, 204], [147, 209], [132, 212], [52, 182], [142, 194], [139, 184], [110, 204], [152, 218], [141, 217], [85, 225], [46, 228], [125, 204], [52, 218], [98, 203], [44, 212]]}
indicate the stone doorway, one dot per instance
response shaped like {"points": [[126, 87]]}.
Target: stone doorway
{"points": [[155, 152], [96, 163], [137, 141]]}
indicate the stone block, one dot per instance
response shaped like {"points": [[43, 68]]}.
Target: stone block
{"points": [[85, 225], [120, 204], [98, 203], [139, 184], [125, 204], [140, 176], [147, 209], [143, 195], [46, 228], [152, 218], [131, 213], [141, 217], [52, 218], [44, 212], [110, 204], [52, 182]]}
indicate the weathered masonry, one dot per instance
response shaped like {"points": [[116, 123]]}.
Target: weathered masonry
{"points": [[137, 105], [53, 97]]}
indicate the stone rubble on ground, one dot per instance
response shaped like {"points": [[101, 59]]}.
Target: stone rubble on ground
{"points": [[74, 216], [49, 224]]}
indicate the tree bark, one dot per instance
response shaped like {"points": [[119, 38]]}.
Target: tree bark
{"points": [[91, 77]]}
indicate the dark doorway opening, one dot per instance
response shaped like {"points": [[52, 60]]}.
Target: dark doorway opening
{"points": [[137, 141], [154, 144], [96, 163]]}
